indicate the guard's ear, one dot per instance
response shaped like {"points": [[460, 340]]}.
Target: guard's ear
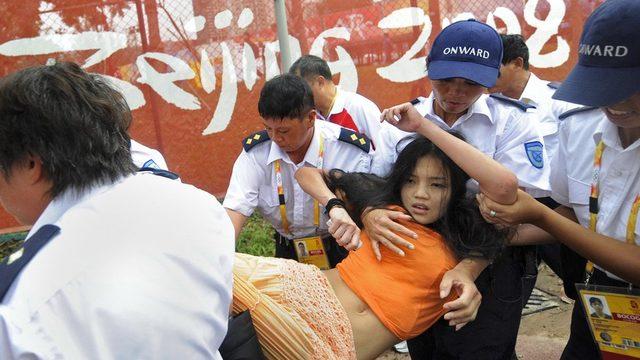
{"points": [[34, 169], [311, 117], [518, 62]]}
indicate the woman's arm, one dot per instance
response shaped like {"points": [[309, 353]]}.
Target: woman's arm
{"points": [[495, 180], [614, 255], [341, 226]]}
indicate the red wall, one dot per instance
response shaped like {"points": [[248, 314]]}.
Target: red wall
{"points": [[175, 112]]}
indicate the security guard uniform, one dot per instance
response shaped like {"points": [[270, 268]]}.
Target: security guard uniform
{"points": [[581, 132], [293, 213]]}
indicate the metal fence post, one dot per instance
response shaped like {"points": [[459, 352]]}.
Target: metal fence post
{"points": [[283, 34]]}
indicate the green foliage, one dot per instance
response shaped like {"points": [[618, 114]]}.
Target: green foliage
{"points": [[256, 237]]}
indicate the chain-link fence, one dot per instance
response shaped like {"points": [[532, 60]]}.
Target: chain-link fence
{"points": [[192, 69]]}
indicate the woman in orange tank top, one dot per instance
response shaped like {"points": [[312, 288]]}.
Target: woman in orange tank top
{"points": [[366, 305]]}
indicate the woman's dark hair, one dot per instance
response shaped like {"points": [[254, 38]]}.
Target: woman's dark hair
{"points": [[466, 233], [358, 187]]}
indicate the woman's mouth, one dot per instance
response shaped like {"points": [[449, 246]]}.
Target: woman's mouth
{"points": [[420, 209]]}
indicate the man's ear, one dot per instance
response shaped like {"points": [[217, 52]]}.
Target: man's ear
{"points": [[321, 80], [518, 62], [34, 169], [311, 117]]}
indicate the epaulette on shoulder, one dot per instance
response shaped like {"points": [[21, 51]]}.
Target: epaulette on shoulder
{"points": [[554, 84], [415, 101], [254, 139], [517, 103], [355, 138], [572, 112]]}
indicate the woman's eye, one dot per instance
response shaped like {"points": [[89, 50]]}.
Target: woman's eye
{"points": [[439, 185]]}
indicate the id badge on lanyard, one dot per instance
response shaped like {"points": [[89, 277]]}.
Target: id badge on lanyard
{"points": [[310, 250], [613, 313]]}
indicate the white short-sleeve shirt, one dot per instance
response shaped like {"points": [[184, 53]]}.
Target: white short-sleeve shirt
{"points": [[144, 156], [502, 131], [355, 112], [538, 93], [141, 269], [253, 182], [572, 172]]}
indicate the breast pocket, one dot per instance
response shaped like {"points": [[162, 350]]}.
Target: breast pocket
{"points": [[268, 196], [579, 198]]}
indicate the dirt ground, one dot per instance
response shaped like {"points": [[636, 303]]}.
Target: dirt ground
{"points": [[542, 335]]}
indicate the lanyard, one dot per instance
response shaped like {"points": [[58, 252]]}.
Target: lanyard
{"points": [[593, 205], [316, 205]]}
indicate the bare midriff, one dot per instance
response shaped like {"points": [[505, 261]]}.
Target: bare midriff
{"points": [[370, 335]]}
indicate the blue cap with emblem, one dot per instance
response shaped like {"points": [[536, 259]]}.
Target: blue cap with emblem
{"points": [[608, 68], [466, 49]]}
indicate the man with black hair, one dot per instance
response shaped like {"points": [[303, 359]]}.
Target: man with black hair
{"points": [[263, 174], [118, 263], [518, 82], [345, 108]]}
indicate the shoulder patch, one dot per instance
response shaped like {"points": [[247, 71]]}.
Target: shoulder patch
{"points": [[150, 164], [355, 138], [554, 84], [254, 139], [572, 112], [517, 103], [534, 153]]}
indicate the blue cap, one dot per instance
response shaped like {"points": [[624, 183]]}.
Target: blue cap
{"points": [[608, 69], [466, 49]]}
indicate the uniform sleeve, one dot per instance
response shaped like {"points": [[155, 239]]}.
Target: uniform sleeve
{"points": [[558, 177], [385, 154], [244, 186], [521, 149]]}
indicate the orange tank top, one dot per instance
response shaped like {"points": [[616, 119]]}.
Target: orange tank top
{"points": [[403, 291]]}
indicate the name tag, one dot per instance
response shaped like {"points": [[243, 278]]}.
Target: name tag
{"points": [[613, 314], [310, 250]]}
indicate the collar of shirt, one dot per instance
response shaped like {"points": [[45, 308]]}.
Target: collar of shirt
{"points": [[58, 206], [608, 132], [534, 91], [311, 156], [477, 109], [338, 105]]}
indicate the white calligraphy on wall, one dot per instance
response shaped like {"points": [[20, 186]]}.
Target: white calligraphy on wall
{"points": [[407, 68]]}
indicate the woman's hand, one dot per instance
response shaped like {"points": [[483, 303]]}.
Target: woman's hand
{"points": [[526, 209], [343, 229], [461, 280], [404, 116], [381, 226]]}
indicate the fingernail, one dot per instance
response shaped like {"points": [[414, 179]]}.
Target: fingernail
{"points": [[401, 253], [411, 246]]}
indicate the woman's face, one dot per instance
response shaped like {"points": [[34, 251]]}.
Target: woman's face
{"points": [[426, 193], [454, 96]]}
